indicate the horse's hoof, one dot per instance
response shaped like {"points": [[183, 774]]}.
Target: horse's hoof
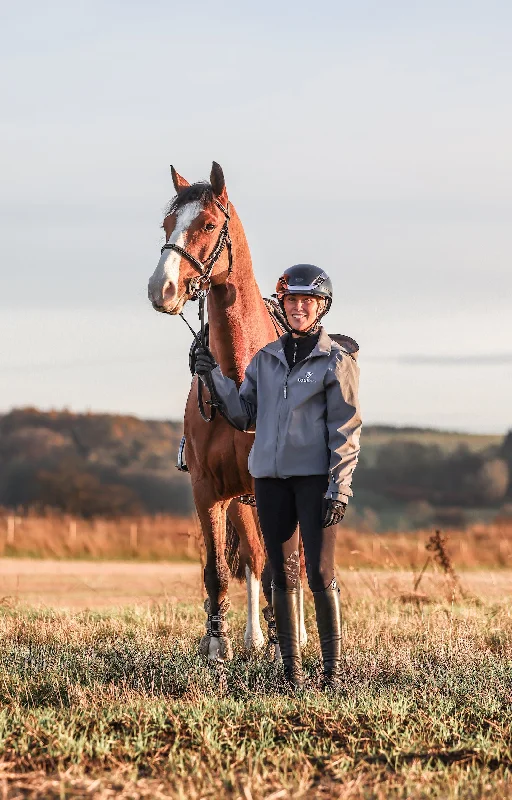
{"points": [[216, 648], [254, 643]]}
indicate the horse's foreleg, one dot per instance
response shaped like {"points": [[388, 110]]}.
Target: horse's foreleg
{"points": [[212, 515], [245, 521], [253, 636]]}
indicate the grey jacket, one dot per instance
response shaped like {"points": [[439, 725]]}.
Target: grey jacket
{"points": [[307, 418]]}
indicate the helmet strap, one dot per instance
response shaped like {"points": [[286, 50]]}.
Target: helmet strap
{"points": [[313, 328]]}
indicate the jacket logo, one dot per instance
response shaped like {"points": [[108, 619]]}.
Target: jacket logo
{"points": [[307, 378]]}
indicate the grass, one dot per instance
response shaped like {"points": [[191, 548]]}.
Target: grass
{"points": [[118, 704]]}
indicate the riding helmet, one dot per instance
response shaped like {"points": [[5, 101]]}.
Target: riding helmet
{"points": [[305, 279]]}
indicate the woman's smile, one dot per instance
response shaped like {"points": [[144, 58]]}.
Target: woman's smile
{"points": [[301, 310]]}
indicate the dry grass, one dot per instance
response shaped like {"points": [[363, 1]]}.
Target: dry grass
{"points": [[118, 704], [478, 546], [178, 538], [149, 538]]}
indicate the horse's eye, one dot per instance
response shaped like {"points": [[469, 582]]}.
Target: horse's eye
{"points": [[209, 227]]}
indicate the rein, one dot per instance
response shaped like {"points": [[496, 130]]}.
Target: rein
{"points": [[201, 341]]}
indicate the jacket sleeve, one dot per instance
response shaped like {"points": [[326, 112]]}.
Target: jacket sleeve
{"points": [[343, 424], [239, 405]]}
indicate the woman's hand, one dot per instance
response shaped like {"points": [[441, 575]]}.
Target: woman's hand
{"points": [[334, 511], [204, 361]]}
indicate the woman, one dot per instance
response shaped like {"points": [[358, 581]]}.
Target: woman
{"points": [[300, 394]]}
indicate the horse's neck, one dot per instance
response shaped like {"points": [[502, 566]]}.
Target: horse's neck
{"points": [[239, 321]]}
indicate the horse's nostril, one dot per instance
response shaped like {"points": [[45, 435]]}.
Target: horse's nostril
{"points": [[169, 292]]}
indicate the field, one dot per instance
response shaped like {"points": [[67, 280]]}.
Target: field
{"points": [[109, 699]]}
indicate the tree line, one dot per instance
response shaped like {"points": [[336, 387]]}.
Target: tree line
{"points": [[107, 465]]}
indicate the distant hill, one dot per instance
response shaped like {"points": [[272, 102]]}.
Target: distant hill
{"points": [[377, 436], [91, 463], [108, 464]]}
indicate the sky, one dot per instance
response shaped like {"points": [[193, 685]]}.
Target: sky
{"points": [[370, 138]]}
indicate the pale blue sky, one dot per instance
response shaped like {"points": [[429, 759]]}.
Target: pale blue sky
{"points": [[371, 138]]}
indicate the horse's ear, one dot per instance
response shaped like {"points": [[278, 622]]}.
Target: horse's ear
{"points": [[218, 183], [179, 182]]}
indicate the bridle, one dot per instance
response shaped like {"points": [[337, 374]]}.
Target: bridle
{"points": [[198, 289], [202, 283]]}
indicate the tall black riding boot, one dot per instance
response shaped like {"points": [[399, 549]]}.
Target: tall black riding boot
{"points": [[285, 603], [328, 620]]}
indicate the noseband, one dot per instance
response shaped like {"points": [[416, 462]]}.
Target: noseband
{"points": [[201, 285]]}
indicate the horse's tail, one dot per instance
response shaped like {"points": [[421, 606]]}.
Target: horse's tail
{"points": [[235, 564]]}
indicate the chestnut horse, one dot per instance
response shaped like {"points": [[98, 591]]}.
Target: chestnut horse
{"points": [[206, 249]]}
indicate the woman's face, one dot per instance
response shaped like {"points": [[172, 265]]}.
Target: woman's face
{"points": [[301, 310]]}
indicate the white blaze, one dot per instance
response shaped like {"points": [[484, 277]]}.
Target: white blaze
{"points": [[168, 268]]}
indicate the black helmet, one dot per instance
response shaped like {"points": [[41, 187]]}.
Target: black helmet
{"points": [[305, 279]]}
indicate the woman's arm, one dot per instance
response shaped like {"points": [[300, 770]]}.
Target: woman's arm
{"points": [[239, 406], [343, 424]]}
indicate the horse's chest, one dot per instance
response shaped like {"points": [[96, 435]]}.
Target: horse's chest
{"points": [[220, 457]]}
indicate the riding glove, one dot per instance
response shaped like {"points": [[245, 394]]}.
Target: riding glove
{"points": [[204, 361], [334, 511]]}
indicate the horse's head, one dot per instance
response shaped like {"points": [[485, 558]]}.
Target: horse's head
{"points": [[197, 248]]}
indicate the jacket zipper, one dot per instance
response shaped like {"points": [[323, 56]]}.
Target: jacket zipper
{"points": [[285, 395], [285, 391], [285, 387]]}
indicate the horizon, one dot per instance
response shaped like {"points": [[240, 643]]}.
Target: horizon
{"points": [[174, 421]]}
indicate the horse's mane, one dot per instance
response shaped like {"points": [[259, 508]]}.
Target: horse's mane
{"points": [[201, 191]]}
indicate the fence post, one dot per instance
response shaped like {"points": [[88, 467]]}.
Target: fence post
{"points": [[133, 535], [190, 543], [11, 525], [72, 531]]}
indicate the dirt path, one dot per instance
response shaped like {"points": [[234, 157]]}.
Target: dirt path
{"points": [[103, 584], [87, 584]]}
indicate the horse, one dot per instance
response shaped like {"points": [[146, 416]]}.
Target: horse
{"points": [[206, 255]]}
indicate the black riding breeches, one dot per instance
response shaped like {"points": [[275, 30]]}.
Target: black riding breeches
{"points": [[282, 503]]}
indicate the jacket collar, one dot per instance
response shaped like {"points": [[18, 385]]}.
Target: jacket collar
{"points": [[322, 347]]}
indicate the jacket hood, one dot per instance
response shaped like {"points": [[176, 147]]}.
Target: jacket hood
{"points": [[348, 345]]}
